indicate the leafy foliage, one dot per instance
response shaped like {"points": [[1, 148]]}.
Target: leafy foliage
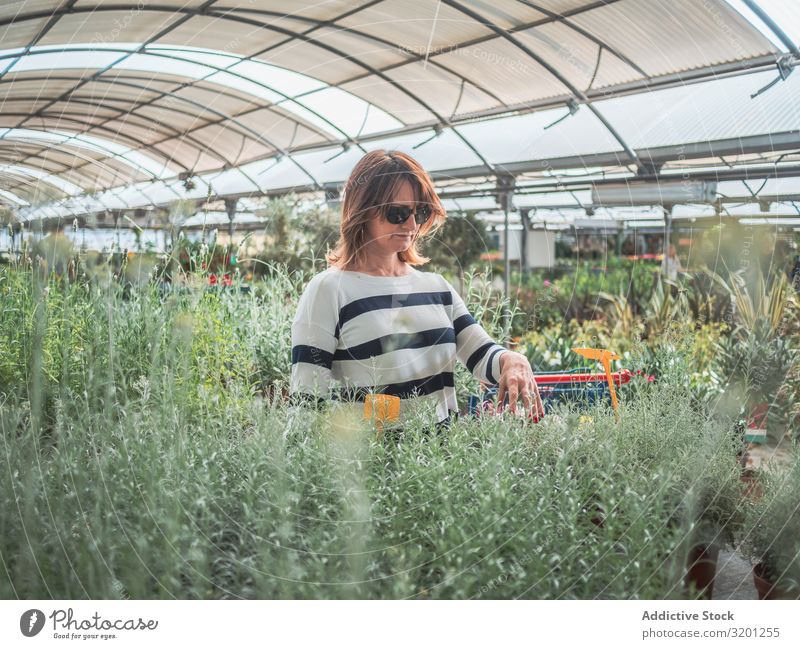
{"points": [[145, 460], [772, 526]]}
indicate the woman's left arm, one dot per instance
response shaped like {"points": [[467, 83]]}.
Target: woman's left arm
{"points": [[490, 362], [516, 380]]}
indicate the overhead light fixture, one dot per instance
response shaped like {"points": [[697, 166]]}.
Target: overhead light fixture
{"points": [[665, 192]]}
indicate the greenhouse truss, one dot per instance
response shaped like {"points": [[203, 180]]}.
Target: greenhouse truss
{"points": [[129, 106]]}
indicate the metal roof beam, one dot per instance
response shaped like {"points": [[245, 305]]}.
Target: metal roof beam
{"points": [[68, 8], [161, 94], [74, 141], [170, 133], [771, 143], [54, 18], [240, 19], [318, 24], [369, 68], [19, 180], [668, 81], [215, 68], [774, 28], [76, 119], [677, 78], [482, 39], [578, 94], [256, 136], [83, 81], [42, 152], [580, 30], [223, 13]]}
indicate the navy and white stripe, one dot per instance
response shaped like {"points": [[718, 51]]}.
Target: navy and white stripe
{"points": [[354, 334]]}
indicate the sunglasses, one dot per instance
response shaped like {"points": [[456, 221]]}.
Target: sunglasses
{"points": [[397, 214]]}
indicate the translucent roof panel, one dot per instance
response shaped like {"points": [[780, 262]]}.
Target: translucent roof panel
{"points": [[237, 33], [515, 78], [763, 187], [775, 209], [334, 165], [133, 158], [17, 200], [286, 86], [302, 169], [112, 24], [333, 110], [233, 181], [67, 187], [436, 154], [470, 204], [159, 193], [216, 219], [693, 211], [562, 199], [709, 111], [786, 13], [662, 37], [526, 137]]}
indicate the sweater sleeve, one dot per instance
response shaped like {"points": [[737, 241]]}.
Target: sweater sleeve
{"points": [[474, 346], [314, 342]]}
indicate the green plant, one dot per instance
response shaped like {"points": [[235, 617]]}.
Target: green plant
{"points": [[295, 235], [573, 293], [771, 532], [708, 302], [456, 246], [143, 461], [759, 355], [668, 306], [200, 257]]}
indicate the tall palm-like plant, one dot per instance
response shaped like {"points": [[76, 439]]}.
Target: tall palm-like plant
{"points": [[708, 301], [667, 305], [619, 312], [766, 302], [758, 356]]}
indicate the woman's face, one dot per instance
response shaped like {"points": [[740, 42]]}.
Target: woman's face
{"points": [[387, 239]]}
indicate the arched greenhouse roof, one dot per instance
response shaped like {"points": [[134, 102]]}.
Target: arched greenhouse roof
{"points": [[116, 104]]}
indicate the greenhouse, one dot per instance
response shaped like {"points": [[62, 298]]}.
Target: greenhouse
{"points": [[232, 366]]}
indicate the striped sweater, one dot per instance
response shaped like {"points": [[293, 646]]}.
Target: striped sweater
{"points": [[355, 333]]}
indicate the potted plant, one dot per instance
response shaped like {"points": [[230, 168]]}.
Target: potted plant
{"points": [[705, 505], [758, 355], [772, 532], [714, 505]]}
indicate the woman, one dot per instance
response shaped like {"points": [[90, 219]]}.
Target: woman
{"points": [[375, 323], [671, 265]]}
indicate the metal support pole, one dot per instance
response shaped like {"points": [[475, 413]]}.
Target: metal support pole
{"points": [[667, 234], [230, 208], [333, 195], [506, 258], [523, 253], [774, 28], [505, 193]]}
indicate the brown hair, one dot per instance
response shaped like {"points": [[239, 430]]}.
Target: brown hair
{"points": [[372, 184]]}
